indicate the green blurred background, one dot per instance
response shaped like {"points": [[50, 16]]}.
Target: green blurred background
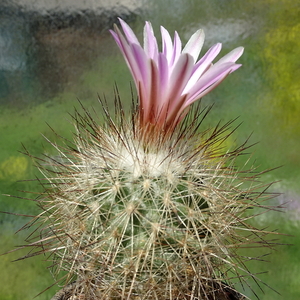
{"points": [[51, 58]]}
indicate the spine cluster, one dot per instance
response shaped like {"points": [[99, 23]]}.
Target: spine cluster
{"points": [[162, 218]]}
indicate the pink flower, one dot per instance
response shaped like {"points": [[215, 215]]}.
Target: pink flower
{"points": [[168, 82]]}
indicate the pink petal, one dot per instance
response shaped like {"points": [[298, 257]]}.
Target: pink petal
{"points": [[213, 86], [142, 62], [144, 73], [175, 114], [210, 77], [177, 81], [139, 66], [194, 45], [235, 67], [116, 38], [176, 49], [130, 36], [153, 94], [128, 55], [167, 45], [211, 54], [202, 65], [164, 78], [180, 74], [232, 56], [150, 43]]}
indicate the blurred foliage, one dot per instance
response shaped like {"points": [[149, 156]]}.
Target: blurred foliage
{"points": [[29, 275], [13, 168], [281, 65]]}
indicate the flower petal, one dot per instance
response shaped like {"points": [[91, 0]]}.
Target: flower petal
{"points": [[180, 74], [214, 74], [128, 55], [232, 56], [176, 49], [167, 45], [116, 37], [202, 65], [130, 36], [194, 45], [153, 95], [150, 43], [178, 79], [164, 78], [141, 72]]}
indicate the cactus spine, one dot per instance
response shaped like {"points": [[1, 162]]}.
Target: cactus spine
{"points": [[130, 217]]}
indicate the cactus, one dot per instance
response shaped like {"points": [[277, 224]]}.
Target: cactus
{"points": [[151, 206]]}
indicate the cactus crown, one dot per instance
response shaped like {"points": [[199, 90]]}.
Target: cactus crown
{"points": [[158, 218]]}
